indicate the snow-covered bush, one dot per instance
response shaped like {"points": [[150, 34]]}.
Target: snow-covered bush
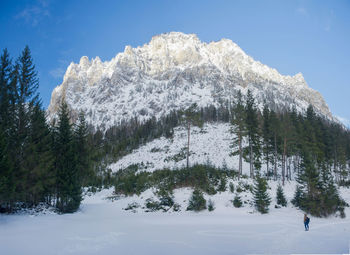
{"points": [[197, 202]]}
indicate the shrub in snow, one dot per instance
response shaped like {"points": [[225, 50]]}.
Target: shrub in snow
{"points": [[239, 189], [152, 205], [197, 201], [211, 206], [261, 197], [176, 207], [166, 198], [222, 184], [237, 201], [281, 199], [132, 206], [232, 187]]}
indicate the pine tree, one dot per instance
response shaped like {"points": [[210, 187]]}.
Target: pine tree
{"points": [[197, 202], [331, 201], [252, 134], [191, 117], [211, 205], [82, 150], [280, 198], [6, 176], [262, 199], [24, 85], [239, 129], [298, 197], [39, 160], [274, 140], [5, 75], [237, 201], [68, 183], [288, 136], [6, 170], [317, 193], [266, 134]]}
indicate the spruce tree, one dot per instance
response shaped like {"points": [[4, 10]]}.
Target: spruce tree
{"points": [[239, 129], [288, 137], [298, 196], [274, 140], [190, 117], [266, 134], [39, 160], [82, 150], [262, 199], [280, 197], [68, 182], [6, 176], [211, 205], [25, 84], [5, 76], [237, 201], [254, 150], [197, 202]]}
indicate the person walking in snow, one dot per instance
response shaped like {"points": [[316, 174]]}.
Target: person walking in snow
{"points": [[306, 222]]}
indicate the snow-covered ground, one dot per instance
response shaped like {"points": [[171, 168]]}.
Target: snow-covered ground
{"points": [[103, 227], [210, 143]]}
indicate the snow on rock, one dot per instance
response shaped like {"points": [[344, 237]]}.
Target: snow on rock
{"points": [[171, 72]]}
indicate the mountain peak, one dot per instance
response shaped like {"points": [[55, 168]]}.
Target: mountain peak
{"points": [[171, 72]]}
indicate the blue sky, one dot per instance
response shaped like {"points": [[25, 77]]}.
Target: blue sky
{"points": [[312, 37]]}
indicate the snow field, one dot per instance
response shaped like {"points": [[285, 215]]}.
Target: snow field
{"points": [[209, 144], [102, 226]]}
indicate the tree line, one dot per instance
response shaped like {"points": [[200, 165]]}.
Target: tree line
{"points": [[39, 163]]}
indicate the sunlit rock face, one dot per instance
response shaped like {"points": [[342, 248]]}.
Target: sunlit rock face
{"points": [[173, 71]]}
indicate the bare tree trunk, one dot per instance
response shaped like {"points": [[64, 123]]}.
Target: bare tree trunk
{"points": [[335, 167], [295, 163], [188, 143], [289, 172], [275, 163], [251, 159], [284, 160], [240, 155], [267, 164]]}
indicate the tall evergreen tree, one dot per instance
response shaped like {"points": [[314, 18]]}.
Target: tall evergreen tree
{"points": [[280, 198], [68, 182], [82, 150], [274, 140], [288, 137], [266, 134], [6, 176], [262, 199], [239, 129], [252, 134], [25, 83], [5, 75], [191, 117], [39, 160]]}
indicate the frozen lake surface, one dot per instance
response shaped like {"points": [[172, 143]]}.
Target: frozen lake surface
{"points": [[103, 227]]}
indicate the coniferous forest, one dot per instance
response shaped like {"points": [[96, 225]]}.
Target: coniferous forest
{"points": [[40, 163], [50, 163]]}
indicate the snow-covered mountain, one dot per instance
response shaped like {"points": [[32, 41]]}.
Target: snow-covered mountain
{"points": [[173, 71]]}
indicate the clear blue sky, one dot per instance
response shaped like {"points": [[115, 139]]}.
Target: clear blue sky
{"points": [[312, 37]]}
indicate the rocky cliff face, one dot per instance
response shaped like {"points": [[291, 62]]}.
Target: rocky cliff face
{"points": [[173, 71]]}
